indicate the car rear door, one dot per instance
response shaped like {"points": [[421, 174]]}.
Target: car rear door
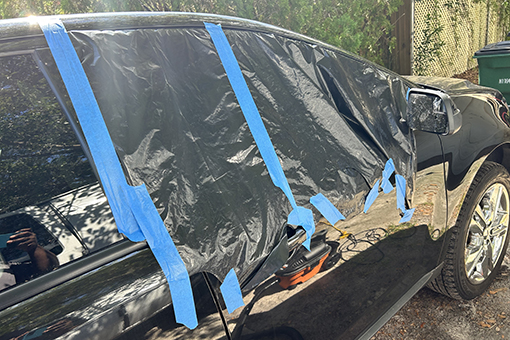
{"points": [[84, 280]]}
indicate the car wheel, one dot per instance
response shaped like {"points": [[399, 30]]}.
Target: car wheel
{"points": [[479, 239]]}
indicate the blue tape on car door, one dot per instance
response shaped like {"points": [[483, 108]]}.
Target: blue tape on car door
{"points": [[400, 183], [299, 215], [389, 168], [372, 195], [326, 208], [231, 292], [133, 209], [407, 216]]}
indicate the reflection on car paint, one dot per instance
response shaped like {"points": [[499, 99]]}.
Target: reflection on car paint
{"points": [[70, 226]]}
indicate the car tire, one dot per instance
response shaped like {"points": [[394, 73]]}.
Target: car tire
{"points": [[479, 239]]}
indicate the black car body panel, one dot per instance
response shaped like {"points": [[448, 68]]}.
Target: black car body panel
{"points": [[192, 148], [481, 107], [334, 120]]}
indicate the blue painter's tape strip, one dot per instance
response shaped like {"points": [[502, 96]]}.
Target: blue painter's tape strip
{"points": [[250, 111], [389, 168], [303, 217], [133, 209], [231, 292], [92, 123], [401, 192], [299, 215], [408, 214], [165, 252], [326, 208], [372, 195]]}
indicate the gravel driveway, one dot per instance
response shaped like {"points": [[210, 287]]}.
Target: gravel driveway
{"points": [[429, 315]]}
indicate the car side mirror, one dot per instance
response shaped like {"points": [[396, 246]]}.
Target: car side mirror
{"points": [[432, 111]]}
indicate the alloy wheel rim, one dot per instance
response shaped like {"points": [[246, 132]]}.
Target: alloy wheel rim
{"points": [[487, 233]]}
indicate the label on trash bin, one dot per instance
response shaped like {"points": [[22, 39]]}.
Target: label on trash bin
{"points": [[504, 81]]}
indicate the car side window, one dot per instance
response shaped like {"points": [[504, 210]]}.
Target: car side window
{"points": [[52, 210]]}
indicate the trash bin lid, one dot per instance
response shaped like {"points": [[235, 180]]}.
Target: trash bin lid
{"points": [[502, 47]]}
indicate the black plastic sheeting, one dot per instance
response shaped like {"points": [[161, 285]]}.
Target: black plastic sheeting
{"points": [[177, 127]]}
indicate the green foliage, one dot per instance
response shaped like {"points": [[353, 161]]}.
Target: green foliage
{"points": [[39, 154], [23, 8], [360, 26], [430, 47], [459, 10], [501, 9]]}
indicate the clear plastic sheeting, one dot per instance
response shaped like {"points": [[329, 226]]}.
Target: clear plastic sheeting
{"points": [[177, 126]]}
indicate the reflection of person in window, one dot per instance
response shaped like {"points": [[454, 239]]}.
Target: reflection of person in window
{"points": [[42, 260]]}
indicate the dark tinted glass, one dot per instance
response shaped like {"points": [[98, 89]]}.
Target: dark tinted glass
{"points": [[52, 210], [39, 154]]}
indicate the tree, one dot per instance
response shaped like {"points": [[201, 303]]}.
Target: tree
{"points": [[360, 26], [23, 8], [40, 156]]}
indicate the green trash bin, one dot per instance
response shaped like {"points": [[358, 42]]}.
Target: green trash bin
{"points": [[494, 67]]}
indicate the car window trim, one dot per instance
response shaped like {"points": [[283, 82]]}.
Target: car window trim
{"points": [[16, 53]]}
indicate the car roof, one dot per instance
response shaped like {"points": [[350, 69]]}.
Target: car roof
{"points": [[28, 26]]}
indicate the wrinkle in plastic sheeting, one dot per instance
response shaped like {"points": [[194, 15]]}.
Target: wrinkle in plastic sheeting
{"points": [[177, 127]]}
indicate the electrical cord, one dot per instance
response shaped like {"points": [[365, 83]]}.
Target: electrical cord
{"points": [[371, 237]]}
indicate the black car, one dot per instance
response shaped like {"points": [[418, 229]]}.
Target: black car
{"points": [[265, 184]]}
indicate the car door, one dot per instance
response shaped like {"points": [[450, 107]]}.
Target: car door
{"points": [[65, 270], [178, 127], [335, 121]]}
